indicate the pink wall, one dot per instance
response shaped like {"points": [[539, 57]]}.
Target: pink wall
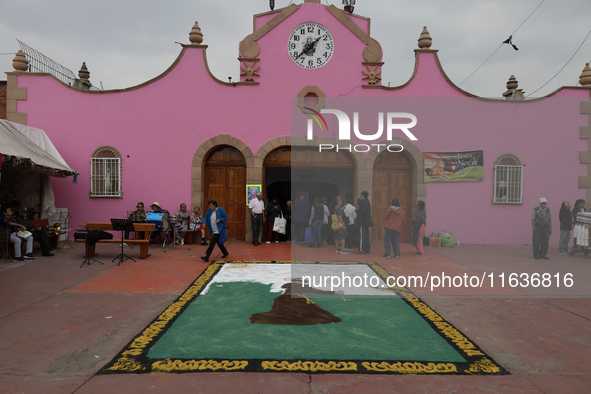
{"points": [[160, 127]]}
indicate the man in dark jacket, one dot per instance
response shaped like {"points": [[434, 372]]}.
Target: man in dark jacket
{"points": [[365, 222], [299, 216], [38, 235], [566, 225]]}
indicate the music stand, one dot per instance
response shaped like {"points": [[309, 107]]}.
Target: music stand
{"points": [[122, 225], [89, 260]]}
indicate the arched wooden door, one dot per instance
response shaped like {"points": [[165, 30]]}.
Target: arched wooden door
{"points": [[225, 182], [392, 178]]}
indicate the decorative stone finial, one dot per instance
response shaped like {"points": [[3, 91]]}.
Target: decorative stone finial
{"points": [[425, 40], [512, 92], [196, 37], [585, 78], [20, 62], [512, 83], [84, 73]]}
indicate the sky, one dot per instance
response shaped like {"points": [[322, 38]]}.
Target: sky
{"points": [[127, 42]]}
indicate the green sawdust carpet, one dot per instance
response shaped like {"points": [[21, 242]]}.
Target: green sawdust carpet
{"points": [[208, 329]]}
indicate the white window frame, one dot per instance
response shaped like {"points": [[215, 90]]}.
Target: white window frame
{"points": [[508, 184], [105, 173]]}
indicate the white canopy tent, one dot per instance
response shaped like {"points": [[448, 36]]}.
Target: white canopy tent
{"points": [[28, 156]]}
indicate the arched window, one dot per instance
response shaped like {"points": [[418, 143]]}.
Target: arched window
{"points": [[105, 173], [508, 180]]}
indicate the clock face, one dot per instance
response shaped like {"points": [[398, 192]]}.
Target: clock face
{"points": [[310, 45]]}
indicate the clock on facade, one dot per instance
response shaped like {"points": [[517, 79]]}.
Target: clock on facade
{"points": [[310, 45]]}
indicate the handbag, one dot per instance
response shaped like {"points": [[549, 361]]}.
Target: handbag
{"points": [[308, 236], [280, 224], [371, 223], [223, 235], [336, 223]]}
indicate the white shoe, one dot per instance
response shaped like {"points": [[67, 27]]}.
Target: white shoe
{"points": [[337, 251], [123, 244], [182, 241], [344, 252], [276, 242], [268, 242]]}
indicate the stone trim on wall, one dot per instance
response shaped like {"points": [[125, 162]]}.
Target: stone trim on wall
{"points": [[14, 93], [319, 94], [585, 156]]}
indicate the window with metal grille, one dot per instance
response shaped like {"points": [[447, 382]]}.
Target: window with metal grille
{"points": [[105, 170], [508, 180]]}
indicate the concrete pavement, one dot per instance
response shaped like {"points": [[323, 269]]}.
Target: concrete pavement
{"points": [[61, 324]]}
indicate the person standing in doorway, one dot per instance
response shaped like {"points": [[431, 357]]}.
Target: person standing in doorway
{"points": [[351, 215], [541, 221], [317, 215], [273, 211], [257, 210], [393, 219], [300, 216], [340, 235], [287, 215], [365, 222]]}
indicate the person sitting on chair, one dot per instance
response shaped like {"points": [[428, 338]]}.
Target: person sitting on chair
{"points": [[137, 216], [196, 224], [182, 225], [8, 221], [155, 208], [38, 235]]}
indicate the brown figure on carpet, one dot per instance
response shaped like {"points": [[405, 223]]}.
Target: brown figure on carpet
{"points": [[294, 308]]}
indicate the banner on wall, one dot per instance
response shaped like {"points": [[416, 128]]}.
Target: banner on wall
{"points": [[453, 166]]}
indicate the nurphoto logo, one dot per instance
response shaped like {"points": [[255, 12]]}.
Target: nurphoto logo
{"points": [[344, 129]]}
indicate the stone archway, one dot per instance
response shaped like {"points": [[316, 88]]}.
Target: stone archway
{"points": [[198, 167], [358, 158], [414, 157]]}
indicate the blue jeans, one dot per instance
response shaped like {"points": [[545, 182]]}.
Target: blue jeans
{"points": [[317, 231], [564, 240], [391, 240]]}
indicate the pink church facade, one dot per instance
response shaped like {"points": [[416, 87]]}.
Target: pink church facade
{"points": [[167, 130]]}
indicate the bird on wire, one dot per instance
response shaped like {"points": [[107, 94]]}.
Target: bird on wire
{"points": [[508, 41]]}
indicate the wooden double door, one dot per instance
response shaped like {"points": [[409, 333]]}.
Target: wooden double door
{"points": [[392, 178], [225, 182]]}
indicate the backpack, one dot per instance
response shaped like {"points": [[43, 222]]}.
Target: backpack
{"points": [[336, 223]]}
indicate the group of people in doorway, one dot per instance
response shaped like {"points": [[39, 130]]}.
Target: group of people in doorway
{"points": [[343, 223], [541, 221]]}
